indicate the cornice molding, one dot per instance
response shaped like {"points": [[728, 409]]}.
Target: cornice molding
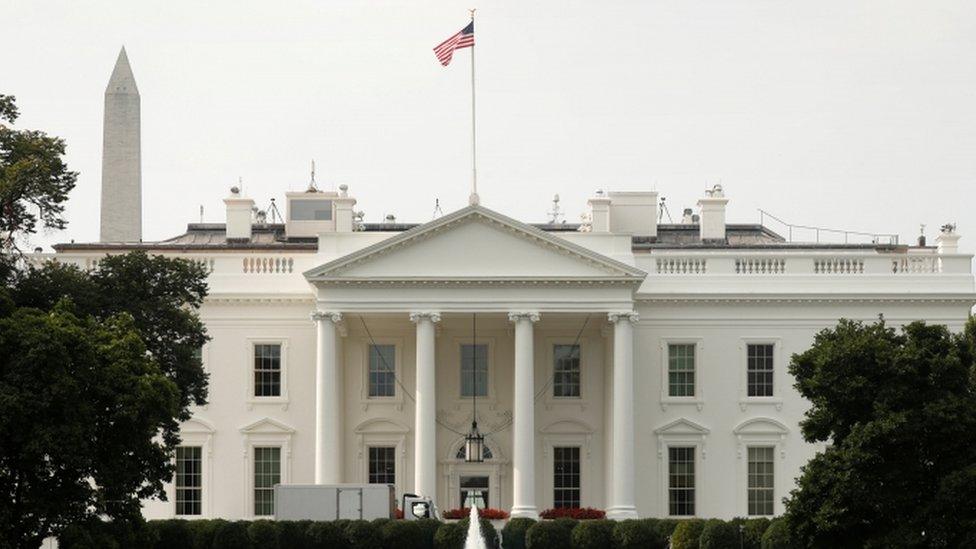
{"points": [[966, 299]]}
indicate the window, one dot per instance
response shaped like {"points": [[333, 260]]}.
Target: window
{"points": [[566, 371], [267, 370], [681, 481], [681, 369], [382, 465], [267, 473], [760, 480], [189, 480], [311, 210], [759, 370], [474, 376], [474, 492], [566, 477], [382, 370]]}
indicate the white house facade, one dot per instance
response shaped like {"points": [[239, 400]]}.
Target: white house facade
{"points": [[622, 364]]}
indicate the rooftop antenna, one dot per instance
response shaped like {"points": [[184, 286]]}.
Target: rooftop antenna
{"points": [[201, 213], [240, 185], [556, 213], [437, 208], [311, 184], [273, 210], [664, 210]]}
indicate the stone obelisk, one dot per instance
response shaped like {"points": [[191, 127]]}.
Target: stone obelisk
{"points": [[121, 216]]}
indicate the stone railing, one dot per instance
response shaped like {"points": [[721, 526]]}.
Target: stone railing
{"points": [[799, 264], [681, 265], [760, 265], [267, 265]]}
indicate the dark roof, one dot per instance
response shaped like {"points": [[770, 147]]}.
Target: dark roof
{"points": [[271, 236]]}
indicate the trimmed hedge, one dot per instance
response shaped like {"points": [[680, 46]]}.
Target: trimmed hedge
{"points": [[513, 534], [563, 533], [593, 534], [719, 534], [687, 534]]}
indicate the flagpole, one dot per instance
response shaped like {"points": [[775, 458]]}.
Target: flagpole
{"points": [[473, 199]]}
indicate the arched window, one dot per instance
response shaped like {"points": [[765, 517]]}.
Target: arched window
{"points": [[485, 453]]}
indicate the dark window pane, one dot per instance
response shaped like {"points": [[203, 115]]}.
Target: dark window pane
{"points": [[382, 370], [474, 370], [681, 370], [566, 477], [267, 370], [681, 481], [759, 370], [189, 480], [267, 473], [382, 465]]}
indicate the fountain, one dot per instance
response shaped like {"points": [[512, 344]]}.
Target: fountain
{"points": [[474, 539]]}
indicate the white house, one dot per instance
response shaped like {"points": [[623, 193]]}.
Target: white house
{"points": [[621, 364]]}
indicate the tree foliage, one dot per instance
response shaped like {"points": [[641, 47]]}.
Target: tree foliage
{"points": [[898, 410], [97, 368], [34, 180]]}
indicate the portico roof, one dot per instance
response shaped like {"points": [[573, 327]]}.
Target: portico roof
{"points": [[475, 245]]}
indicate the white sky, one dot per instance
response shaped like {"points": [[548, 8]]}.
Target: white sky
{"points": [[847, 114]]}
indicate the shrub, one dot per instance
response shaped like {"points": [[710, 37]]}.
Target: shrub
{"points": [[548, 535], [637, 534], [777, 535], [325, 535], [172, 534], [753, 531], [513, 534], [578, 513], [719, 534], [593, 534], [293, 534], [451, 535], [88, 535], [489, 513], [665, 527], [263, 534], [405, 534], [231, 535], [428, 529], [687, 533], [360, 534], [203, 532]]}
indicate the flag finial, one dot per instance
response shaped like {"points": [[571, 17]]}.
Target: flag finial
{"points": [[472, 10]]}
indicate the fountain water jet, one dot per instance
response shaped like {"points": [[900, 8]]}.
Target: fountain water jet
{"points": [[474, 539]]}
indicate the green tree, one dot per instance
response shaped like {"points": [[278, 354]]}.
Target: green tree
{"points": [[898, 410], [81, 403], [97, 368], [34, 182]]}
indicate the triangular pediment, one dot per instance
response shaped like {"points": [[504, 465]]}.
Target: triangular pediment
{"points": [[475, 243], [267, 426], [682, 426]]}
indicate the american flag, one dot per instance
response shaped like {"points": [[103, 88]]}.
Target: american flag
{"points": [[463, 39]]}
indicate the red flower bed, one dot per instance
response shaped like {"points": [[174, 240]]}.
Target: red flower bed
{"points": [[464, 512], [578, 513], [398, 514]]}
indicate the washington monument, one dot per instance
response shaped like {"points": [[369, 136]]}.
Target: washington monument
{"points": [[121, 216]]}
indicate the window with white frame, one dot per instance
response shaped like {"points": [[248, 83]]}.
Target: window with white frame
{"points": [[382, 465], [382, 371], [566, 371], [681, 369], [267, 473], [474, 370], [189, 480], [267, 370], [681, 481], [759, 369], [566, 476], [761, 483]]}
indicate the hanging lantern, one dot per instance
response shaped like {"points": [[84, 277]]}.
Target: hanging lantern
{"points": [[474, 445]]}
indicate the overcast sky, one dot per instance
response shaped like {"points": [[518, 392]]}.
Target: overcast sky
{"points": [[843, 114]]}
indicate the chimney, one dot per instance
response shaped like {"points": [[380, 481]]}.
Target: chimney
{"points": [[633, 212], [948, 240], [343, 210], [712, 225], [599, 213], [238, 215]]}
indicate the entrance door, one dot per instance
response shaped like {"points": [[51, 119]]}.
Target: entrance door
{"points": [[474, 491]]}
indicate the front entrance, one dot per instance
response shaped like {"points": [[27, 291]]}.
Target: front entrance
{"points": [[474, 491]]}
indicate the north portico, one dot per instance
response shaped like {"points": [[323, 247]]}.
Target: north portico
{"points": [[476, 265]]}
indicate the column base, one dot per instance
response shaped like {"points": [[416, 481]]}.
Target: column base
{"points": [[525, 511], [622, 512]]}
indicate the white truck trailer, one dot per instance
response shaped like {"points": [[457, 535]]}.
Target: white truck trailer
{"points": [[345, 501]]}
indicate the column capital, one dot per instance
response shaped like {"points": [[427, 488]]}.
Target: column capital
{"points": [[531, 316], [333, 316], [432, 316], [632, 316]]}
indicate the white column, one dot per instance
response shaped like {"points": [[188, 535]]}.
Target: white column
{"points": [[328, 429], [523, 426], [622, 501], [425, 419]]}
